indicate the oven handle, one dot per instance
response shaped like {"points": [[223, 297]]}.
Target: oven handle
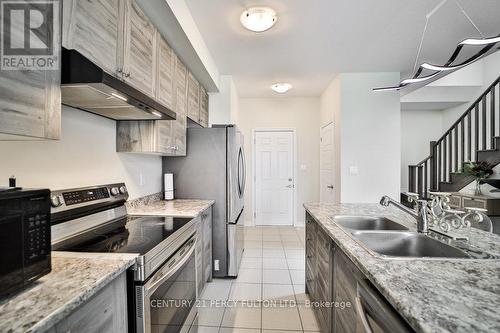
{"points": [[167, 271]]}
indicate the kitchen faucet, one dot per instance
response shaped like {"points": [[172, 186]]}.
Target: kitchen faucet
{"points": [[419, 213]]}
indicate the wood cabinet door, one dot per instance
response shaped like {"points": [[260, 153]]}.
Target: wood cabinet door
{"points": [[30, 104], [139, 55], [165, 73], [345, 284], [193, 98], [180, 124], [136, 136], [200, 281], [203, 107], [180, 83], [206, 218], [179, 127], [104, 312], [30, 100], [165, 137], [91, 28]]}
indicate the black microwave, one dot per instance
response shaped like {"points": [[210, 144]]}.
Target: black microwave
{"points": [[24, 237]]}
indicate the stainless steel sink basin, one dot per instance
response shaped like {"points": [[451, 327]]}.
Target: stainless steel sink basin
{"points": [[367, 223], [406, 244]]}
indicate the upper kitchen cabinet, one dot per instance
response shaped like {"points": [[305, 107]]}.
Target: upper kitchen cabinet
{"points": [[193, 102], [180, 90], [203, 107], [30, 104], [92, 28], [197, 101], [165, 73], [30, 100], [163, 137], [139, 49]]}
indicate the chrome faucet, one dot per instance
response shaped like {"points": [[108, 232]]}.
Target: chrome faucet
{"points": [[420, 213]]}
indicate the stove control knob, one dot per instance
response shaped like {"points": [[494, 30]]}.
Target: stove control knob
{"points": [[114, 191], [55, 201], [123, 190]]}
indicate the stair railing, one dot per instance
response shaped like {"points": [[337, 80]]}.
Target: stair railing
{"points": [[474, 131]]}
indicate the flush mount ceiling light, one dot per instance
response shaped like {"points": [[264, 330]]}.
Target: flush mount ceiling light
{"points": [[487, 43], [281, 88], [258, 19]]}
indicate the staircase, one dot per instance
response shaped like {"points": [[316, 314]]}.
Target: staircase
{"points": [[475, 136]]}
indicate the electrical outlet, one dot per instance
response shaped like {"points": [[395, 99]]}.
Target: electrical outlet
{"points": [[141, 179], [216, 265]]}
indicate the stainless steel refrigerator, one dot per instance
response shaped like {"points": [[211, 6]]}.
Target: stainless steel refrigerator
{"points": [[214, 168]]}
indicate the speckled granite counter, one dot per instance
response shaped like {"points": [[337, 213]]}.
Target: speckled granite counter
{"points": [[75, 277], [177, 207], [432, 295]]}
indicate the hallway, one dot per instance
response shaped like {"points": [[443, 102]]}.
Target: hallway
{"points": [[268, 295]]}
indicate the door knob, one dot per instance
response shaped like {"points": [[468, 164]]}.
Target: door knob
{"points": [[290, 186], [330, 186]]}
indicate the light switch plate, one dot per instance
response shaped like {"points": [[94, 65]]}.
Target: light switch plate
{"points": [[353, 170]]}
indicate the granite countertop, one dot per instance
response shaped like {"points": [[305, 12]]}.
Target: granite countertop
{"points": [[437, 295], [177, 207], [75, 277]]}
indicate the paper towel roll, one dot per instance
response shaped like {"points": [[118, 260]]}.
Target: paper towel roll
{"points": [[168, 181]]}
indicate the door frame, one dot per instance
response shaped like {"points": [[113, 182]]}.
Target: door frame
{"points": [[294, 166]]}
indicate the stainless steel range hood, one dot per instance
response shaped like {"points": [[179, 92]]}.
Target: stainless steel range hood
{"points": [[87, 87]]}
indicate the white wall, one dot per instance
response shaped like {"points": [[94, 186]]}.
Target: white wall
{"points": [[367, 126], [224, 104], [418, 129], [302, 114], [85, 155], [370, 137]]}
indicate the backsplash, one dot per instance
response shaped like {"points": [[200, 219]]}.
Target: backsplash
{"points": [[85, 156]]}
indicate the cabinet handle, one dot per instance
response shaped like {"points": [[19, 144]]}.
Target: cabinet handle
{"points": [[127, 74]]}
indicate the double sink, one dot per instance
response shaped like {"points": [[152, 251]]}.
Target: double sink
{"points": [[390, 239]]}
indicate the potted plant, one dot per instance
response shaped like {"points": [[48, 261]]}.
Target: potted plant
{"points": [[478, 170]]}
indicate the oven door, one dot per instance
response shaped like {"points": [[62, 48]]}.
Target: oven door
{"points": [[166, 301]]}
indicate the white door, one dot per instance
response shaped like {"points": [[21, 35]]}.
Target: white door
{"points": [[274, 183], [327, 164]]}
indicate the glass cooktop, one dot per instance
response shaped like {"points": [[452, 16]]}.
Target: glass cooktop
{"points": [[128, 235]]}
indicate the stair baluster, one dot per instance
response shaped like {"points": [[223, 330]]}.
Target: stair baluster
{"points": [[472, 137]]}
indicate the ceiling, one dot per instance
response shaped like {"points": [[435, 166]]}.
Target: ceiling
{"points": [[313, 40]]}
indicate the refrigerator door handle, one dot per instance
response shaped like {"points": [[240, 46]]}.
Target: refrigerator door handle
{"points": [[240, 188], [244, 171]]}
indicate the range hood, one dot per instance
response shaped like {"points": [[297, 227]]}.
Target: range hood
{"points": [[87, 87]]}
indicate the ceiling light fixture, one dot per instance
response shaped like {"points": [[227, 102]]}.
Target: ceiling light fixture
{"points": [[487, 44], [281, 88], [258, 19]]}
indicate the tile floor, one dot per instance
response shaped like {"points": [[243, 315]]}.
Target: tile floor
{"points": [[268, 295]]}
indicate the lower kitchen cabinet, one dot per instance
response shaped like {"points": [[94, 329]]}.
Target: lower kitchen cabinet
{"points": [[203, 249], [332, 277], [319, 272], [104, 312]]}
